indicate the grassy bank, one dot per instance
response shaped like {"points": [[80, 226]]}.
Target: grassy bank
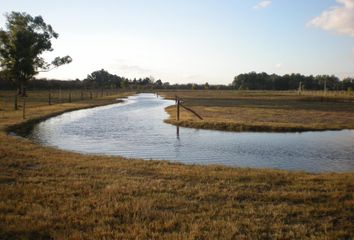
{"points": [[48, 193], [265, 111]]}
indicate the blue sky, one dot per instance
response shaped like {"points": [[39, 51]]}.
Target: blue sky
{"points": [[183, 41]]}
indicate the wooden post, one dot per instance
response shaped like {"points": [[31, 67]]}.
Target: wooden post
{"points": [[325, 87], [177, 109], [24, 108], [192, 111], [50, 98], [59, 95], [15, 103], [90, 94], [69, 97], [300, 88], [3, 107]]}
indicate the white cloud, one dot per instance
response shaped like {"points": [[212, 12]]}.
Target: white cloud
{"points": [[192, 77], [122, 65], [262, 4], [339, 19], [278, 65], [133, 68]]}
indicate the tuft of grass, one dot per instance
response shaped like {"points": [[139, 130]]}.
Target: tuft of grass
{"points": [[46, 193]]}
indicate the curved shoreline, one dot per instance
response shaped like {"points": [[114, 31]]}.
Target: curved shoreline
{"points": [[81, 145], [243, 127], [26, 125], [23, 127], [240, 127]]}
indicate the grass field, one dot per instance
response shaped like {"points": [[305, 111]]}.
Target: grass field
{"points": [[47, 193], [265, 111]]}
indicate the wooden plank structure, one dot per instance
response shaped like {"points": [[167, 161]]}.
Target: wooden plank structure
{"points": [[179, 102]]}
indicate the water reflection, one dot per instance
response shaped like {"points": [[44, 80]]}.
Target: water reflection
{"points": [[136, 129], [177, 132]]}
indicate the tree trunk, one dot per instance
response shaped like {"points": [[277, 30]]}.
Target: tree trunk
{"points": [[22, 90], [19, 90]]}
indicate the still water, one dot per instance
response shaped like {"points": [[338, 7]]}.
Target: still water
{"points": [[136, 129]]}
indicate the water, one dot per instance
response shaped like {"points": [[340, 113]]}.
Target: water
{"points": [[136, 129]]}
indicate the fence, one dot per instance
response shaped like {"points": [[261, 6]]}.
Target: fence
{"points": [[11, 102]]}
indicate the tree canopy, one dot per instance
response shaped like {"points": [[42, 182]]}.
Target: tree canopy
{"points": [[104, 79], [22, 43]]}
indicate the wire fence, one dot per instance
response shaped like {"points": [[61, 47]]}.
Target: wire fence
{"points": [[10, 102]]}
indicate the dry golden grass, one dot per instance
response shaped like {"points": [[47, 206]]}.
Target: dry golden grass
{"points": [[52, 194], [265, 111]]}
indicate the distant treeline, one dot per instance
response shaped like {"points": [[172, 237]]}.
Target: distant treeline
{"points": [[194, 86], [264, 81], [102, 79]]}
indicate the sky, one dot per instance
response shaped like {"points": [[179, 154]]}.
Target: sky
{"points": [[185, 41]]}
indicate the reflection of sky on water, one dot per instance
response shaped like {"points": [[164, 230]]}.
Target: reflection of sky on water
{"points": [[136, 129]]}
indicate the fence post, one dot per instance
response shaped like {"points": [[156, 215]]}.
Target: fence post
{"points": [[24, 108], [300, 88], [15, 103], [69, 97], [91, 95], [2, 103], [3, 107], [49, 98], [177, 109]]}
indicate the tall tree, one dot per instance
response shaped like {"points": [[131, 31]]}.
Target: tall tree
{"points": [[22, 43], [103, 79]]}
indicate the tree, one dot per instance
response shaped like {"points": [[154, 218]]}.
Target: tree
{"points": [[103, 79], [166, 84], [206, 86], [21, 46], [158, 83], [98, 79]]}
